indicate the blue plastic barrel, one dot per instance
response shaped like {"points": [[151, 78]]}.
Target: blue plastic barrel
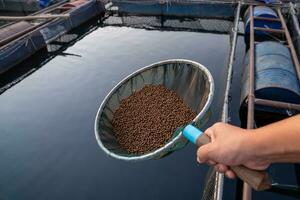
{"points": [[269, 1], [275, 76], [44, 3], [261, 11]]}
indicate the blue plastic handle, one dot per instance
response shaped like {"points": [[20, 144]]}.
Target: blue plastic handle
{"points": [[191, 133]]}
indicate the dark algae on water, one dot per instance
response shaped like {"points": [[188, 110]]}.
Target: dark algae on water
{"points": [[147, 119]]}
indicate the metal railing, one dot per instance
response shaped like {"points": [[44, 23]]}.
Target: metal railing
{"points": [[251, 99]]}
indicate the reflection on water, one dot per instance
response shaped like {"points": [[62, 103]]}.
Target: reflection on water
{"points": [[47, 112], [47, 145]]}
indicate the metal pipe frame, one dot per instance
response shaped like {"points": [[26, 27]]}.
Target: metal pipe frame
{"points": [[24, 33], [256, 3], [267, 19], [250, 116], [290, 43], [277, 104], [220, 177], [270, 30], [294, 18], [33, 17], [251, 100], [247, 192]]}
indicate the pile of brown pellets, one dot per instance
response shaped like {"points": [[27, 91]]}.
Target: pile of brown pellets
{"points": [[147, 119]]}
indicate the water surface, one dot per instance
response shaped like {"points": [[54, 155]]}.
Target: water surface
{"points": [[47, 146]]}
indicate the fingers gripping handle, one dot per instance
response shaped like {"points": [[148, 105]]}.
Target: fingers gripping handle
{"points": [[258, 180]]}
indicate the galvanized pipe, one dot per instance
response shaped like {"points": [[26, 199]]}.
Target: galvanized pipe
{"points": [[33, 17], [294, 19], [257, 3], [230, 63], [290, 42], [220, 177]]}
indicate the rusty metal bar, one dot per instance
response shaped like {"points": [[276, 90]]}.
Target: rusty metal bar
{"points": [[267, 19], [290, 43], [250, 118], [257, 42], [247, 193], [277, 104], [270, 30]]}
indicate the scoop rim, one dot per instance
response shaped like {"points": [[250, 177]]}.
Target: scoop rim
{"points": [[172, 142]]}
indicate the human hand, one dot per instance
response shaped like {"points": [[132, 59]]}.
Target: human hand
{"points": [[230, 146]]}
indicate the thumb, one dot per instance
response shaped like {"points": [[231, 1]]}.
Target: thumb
{"points": [[203, 153]]}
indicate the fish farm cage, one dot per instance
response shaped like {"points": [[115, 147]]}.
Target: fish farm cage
{"points": [[270, 29], [20, 39], [271, 32]]}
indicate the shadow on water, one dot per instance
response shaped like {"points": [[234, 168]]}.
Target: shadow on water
{"points": [[39, 59]]}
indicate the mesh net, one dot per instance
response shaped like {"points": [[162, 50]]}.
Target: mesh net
{"points": [[172, 74], [163, 23], [210, 185], [169, 73]]}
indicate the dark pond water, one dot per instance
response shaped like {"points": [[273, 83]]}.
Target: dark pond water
{"points": [[47, 147], [47, 144]]}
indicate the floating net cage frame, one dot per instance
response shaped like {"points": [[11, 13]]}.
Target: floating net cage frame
{"points": [[170, 22], [216, 26], [214, 181], [215, 9]]}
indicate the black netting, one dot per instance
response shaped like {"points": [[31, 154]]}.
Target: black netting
{"points": [[209, 191], [158, 22]]}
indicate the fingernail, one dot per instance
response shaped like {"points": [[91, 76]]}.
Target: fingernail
{"points": [[227, 175], [198, 160]]}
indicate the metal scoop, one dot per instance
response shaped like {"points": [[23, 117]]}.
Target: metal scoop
{"points": [[195, 85]]}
